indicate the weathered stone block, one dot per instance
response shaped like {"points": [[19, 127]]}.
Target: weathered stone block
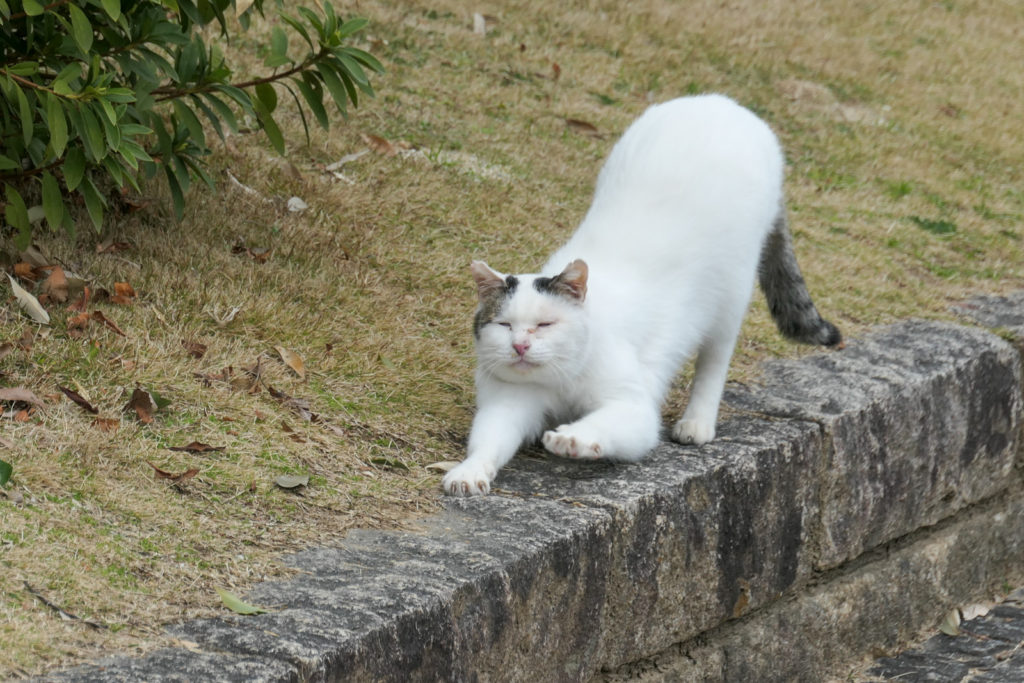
{"points": [[921, 419], [176, 665]]}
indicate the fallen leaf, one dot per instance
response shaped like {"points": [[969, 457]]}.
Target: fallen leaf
{"points": [[194, 348], [23, 415], [124, 289], [6, 469], [479, 24], [237, 605], [20, 395], [196, 447], [583, 128], [29, 303], [348, 158], [297, 204], [107, 424], [24, 271], [143, 404], [182, 476], [82, 302], [99, 317], [442, 466], [78, 322], [109, 246], [951, 624], [292, 481], [380, 145], [26, 340], [299, 405], [556, 71], [390, 463], [56, 285], [37, 258], [223, 320], [292, 360], [5, 349], [77, 398]]}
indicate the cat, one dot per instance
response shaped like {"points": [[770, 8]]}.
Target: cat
{"points": [[687, 213]]}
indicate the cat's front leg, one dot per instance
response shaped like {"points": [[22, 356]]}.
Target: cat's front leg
{"points": [[622, 430], [501, 425]]}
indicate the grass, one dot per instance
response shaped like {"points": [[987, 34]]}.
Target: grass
{"points": [[904, 185]]}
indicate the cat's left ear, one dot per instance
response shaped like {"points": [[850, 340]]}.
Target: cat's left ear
{"points": [[488, 282], [572, 282]]}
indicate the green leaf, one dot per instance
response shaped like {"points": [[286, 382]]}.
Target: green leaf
{"points": [[81, 29], [278, 42], [24, 69], [5, 472], [267, 96], [353, 68], [25, 114], [188, 117], [16, 212], [112, 8], [6, 164], [270, 127], [33, 8], [74, 168], [314, 96], [223, 111], [57, 123], [236, 604], [365, 58], [299, 28], [351, 26], [93, 203], [334, 85], [177, 196], [53, 201]]}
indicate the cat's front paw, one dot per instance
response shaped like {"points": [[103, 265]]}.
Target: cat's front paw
{"points": [[562, 441], [468, 479], [697, 432]]}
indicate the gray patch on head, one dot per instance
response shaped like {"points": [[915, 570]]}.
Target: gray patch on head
{"points": [[492, 304]]}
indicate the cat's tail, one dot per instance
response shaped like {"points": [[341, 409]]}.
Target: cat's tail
{"points": [[784, 287]]}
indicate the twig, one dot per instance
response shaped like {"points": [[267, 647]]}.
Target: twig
{"points": [[63, 614]]}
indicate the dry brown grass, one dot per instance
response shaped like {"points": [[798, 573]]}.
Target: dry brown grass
{"points": [[897, 117]]}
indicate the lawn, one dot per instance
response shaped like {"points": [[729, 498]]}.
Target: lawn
{"points": [[901, 125]]}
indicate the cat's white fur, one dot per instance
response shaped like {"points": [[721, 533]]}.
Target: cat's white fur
{"points": [[670, 250]]}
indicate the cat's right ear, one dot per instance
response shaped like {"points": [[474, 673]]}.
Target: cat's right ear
{"points": [[488, 282]]}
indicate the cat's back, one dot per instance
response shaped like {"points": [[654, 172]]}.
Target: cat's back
{"points": [[697, 141]]}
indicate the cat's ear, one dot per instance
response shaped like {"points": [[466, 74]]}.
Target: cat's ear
{"points": [[571, 282], [488, 282]]}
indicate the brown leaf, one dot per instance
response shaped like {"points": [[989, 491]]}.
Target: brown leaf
{"points": [[109, 246], [77, 398], [194, 348], [37, 258], [299, 405], [121, 300], [56, 285], [20, 395], [27, 339], [107, 424], [164, 474], [24, 271], [196, 447], [124, 289], [23, 415], [556, 71], [5, 349], [98, 316], [380, 145], [584, 128], [82, 302], [143, 404], [292, 360]]}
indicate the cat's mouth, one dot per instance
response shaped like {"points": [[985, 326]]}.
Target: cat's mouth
{"points": [[523, 365]]}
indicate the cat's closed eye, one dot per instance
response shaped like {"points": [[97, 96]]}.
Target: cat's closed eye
{"points": [[506, 325], [549, 324]]}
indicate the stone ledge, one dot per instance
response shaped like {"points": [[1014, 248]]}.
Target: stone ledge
{"points": [[577, 567]]}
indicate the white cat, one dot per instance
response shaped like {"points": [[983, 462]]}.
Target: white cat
{"points": [[688, 210]]}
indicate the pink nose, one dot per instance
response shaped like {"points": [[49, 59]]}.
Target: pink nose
{"points": [[521, 349]]}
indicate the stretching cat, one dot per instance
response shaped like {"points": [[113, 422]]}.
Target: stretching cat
{"points": [[688, 210]]}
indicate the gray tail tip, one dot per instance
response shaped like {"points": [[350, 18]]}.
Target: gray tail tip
{"points": [[829, 335]]}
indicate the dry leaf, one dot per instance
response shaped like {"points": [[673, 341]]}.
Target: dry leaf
{"points": [[556, 71], [26, 340], [109, 246], [79, 399], [345, 159], [297, 204], [951, 624], [196, 447], [23, 415], [583, 128], [143, 404], [20, 395], [181, 476], [194, 348], [107, 424], [292, 481], [24, 271], [29, 303], [82, 302], [299, 405], [56, 285], [98, 316], [292, 360], [442, 466], [479, 24], [380, 145], [37, 258], [6, 349]]}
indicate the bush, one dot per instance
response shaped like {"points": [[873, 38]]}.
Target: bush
{"points": [[100, 93]]}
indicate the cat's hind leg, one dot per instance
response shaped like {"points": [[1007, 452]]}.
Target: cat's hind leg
{"points": [[697, 425], [622, 430]]}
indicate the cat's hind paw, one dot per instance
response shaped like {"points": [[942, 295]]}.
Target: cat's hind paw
{"points": [[468, 479], [697, 432], [564, 443]]}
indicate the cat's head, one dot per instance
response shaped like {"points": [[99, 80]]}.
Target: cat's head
{"points": [[531, 328]]}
